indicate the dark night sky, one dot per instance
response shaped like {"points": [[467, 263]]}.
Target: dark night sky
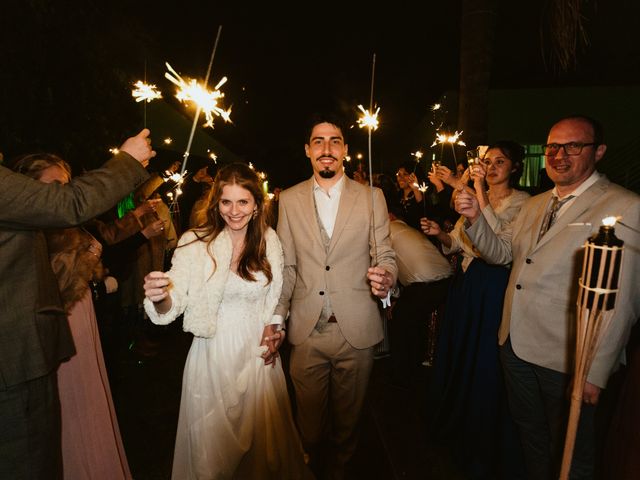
{"points": [[282, 65]]}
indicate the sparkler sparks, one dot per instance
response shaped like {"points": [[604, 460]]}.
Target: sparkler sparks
{"points": [[145, 92], [200, 96], [368, 119], [448, 138]]}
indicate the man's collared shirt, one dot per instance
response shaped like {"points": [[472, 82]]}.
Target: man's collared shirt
{"points": [[595, 176], [327, 203]]}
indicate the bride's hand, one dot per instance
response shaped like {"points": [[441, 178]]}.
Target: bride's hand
{"points": [[272, 338]]}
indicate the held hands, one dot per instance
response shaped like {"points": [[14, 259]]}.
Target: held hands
{"points": [[272, 338], [380, 280], [139, 147]]}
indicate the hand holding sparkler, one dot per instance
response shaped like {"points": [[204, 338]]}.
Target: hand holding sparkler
{"points": [[148, 206], [380, 280], [139, 147]]}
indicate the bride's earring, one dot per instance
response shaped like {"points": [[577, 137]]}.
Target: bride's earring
{"points": [[255, 213]]}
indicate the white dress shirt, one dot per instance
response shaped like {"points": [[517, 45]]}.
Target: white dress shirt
{"points": [[327, 203]]}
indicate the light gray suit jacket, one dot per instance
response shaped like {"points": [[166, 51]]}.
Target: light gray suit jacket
{"points": [[540, 303], [310, 272]]}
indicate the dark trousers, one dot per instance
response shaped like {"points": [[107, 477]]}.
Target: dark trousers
{"points": [[539, 402], [30, 435], [408, 329]]}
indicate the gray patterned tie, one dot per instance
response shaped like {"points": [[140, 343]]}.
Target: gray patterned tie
{"points": [[551, 215]]}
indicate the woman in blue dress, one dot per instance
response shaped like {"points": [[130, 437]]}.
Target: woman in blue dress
{"points": [[468, 402]]}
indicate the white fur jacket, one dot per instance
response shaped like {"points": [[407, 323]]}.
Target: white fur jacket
{"points": [[197, 290]]}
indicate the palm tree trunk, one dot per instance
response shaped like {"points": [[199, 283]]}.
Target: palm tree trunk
{"points": [[476, 52]]}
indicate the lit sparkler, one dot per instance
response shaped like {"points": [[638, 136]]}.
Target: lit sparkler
{"points": [[368, 119], [208, 107], [448, 138], [204, 99], [145, 92], [423, 187], [418, 155], [452, 139]]}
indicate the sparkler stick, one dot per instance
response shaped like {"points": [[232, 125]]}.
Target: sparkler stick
{"points": [[423, 187], [442, 138], [418, 155], [185, 158], [370, 120], [145, 93]]}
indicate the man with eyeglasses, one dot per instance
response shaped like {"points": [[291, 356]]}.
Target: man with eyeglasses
{"points": [[537, 335]]}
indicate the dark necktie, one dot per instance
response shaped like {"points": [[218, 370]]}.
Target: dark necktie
{"points": [[551, 215]]}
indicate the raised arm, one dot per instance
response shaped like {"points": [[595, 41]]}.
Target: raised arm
{"points": [[28, 203]]}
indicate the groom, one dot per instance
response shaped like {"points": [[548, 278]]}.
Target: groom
{"points": [[338, 259]]}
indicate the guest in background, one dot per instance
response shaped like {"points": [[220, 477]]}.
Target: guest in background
{"points": [[423, 280], [544, 244], [91, 443], [34, 331], [467, 394], [410, 197]]}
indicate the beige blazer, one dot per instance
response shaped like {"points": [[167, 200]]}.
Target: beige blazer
{"points": [[310, 272], [540, 302]]}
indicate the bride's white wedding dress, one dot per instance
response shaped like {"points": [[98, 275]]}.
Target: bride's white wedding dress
{"points": [[235, 418]]}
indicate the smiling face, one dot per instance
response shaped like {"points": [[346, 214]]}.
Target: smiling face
{"points": [[402, 176], [498, 166], [569, 171], [326, 150], [236, 207]]}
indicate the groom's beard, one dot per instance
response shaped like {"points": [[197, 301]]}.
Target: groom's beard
{"points": [[327, 173]]}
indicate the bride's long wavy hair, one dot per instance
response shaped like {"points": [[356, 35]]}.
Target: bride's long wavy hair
{"points": [[254, 255]]}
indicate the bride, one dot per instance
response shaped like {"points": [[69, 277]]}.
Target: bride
{"points": [[226, 276]]}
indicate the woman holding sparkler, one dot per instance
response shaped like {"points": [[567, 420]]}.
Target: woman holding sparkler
{"points": [[410, 196], [467, 392], [226, 277]]}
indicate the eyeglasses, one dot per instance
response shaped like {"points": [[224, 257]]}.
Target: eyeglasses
{"points": [[570, 148]]}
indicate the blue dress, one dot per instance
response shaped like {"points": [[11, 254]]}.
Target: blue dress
{"points": [[467, 398]]}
